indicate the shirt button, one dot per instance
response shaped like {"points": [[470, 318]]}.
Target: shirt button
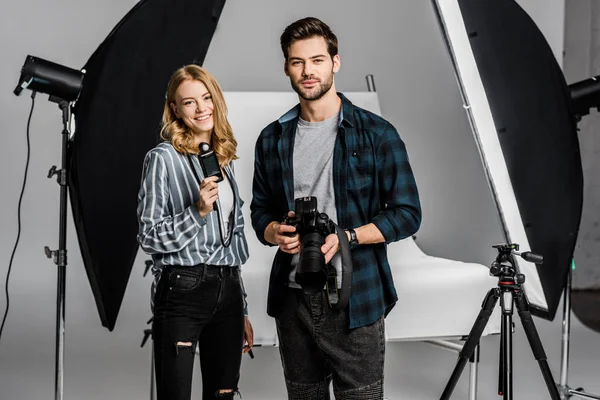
{"points": [[354, 153]]}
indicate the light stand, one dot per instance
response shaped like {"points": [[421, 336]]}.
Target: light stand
{"points": [[60, 255], [585, 96], [563, 387], [63, 84]]}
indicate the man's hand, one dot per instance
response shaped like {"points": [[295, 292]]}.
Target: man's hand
{"points": [[330, 247], [248, 335], [279, 234]]}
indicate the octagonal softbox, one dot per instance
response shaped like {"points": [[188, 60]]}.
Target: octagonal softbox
{"points": [[520, 110], [118, 118]]}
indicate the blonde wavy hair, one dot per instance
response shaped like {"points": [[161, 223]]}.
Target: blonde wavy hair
{"points": [[180, 135]]}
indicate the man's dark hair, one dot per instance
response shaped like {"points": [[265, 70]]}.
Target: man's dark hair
{"points": [[307, 28]]}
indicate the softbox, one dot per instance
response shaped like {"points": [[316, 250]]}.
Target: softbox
{"points": [[117, 121], [519, 107]]}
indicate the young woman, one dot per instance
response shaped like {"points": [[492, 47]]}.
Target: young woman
{"points": [[199, 298]]}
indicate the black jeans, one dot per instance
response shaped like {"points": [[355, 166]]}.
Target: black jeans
{"points": [[201, 305], [317, 346]]}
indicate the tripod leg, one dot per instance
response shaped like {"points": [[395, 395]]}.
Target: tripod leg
{"points": [[474, 360], [472, 340], [535, 343], [505, 372], [501, 361]]}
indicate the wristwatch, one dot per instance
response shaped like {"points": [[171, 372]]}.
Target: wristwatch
{"points": [[353, 238]]}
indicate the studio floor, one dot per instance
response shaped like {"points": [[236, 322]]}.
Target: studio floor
{"points": [[414, 370], [419, 371]]}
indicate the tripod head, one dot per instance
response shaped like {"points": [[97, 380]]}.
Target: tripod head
{"points": [[504, 266]]}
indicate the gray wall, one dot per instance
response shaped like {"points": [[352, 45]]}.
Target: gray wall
{"points": [[581, 61], [398, 42]]}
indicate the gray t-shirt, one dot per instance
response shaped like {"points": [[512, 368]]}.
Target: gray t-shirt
{"points": [[313, 173]]}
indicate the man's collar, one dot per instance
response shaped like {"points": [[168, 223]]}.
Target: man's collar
{"points": [[346, 113]]}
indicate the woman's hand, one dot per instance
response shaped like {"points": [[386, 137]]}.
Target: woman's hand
{"points": [[248, 335], [209, 193]]}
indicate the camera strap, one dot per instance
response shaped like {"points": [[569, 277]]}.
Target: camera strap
{"points": [[333, 293], [339, 298]]}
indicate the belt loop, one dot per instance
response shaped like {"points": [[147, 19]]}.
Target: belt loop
{"points": [[203, 266]]}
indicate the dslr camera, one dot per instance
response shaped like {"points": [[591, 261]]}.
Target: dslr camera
{"points": [[313, 227]]}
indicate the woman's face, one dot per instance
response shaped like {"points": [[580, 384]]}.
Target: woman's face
{"points": [[193, 104]]}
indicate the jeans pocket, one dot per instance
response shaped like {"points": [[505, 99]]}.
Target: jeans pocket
{"points": [[182, 281]]}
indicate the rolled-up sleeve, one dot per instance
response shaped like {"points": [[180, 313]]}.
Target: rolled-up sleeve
{"points": [[260, 207], [401, 215]]}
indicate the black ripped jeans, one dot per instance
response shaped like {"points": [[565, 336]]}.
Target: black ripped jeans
{"points": [[201, 305]]}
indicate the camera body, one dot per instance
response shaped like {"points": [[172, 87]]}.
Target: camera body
{"points": [[313, 227]]}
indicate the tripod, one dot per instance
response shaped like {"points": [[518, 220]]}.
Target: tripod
{"points": [[60, 255], [510, 293]]}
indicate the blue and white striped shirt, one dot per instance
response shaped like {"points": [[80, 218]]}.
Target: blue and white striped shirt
{"points": [[171, 229]]}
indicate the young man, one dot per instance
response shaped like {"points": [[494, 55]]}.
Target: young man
{"points": [[356, 165]]}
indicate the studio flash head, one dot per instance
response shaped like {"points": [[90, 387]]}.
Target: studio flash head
{"points": [[60, 82]]}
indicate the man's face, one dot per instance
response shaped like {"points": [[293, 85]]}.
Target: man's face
{"points": [[311, 68]]}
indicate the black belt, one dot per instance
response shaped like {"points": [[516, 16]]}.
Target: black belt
{"points": [[205, 270]]}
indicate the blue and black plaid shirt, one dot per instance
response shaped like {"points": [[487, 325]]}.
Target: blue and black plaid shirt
{"points": [[373, 182]]}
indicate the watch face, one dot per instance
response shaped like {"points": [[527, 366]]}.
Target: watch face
{"points": [[353, 238]]}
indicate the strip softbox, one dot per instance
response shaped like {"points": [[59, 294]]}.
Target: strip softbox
{"points": [[117, 120], [519, 107]]}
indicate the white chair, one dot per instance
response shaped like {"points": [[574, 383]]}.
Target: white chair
{"points": [[437, 297]]}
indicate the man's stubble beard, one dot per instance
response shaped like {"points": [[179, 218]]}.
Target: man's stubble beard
{"points": [[323, 88]]}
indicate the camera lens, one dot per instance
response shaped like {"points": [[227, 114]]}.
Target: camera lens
{"points": [[311, 273]]}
